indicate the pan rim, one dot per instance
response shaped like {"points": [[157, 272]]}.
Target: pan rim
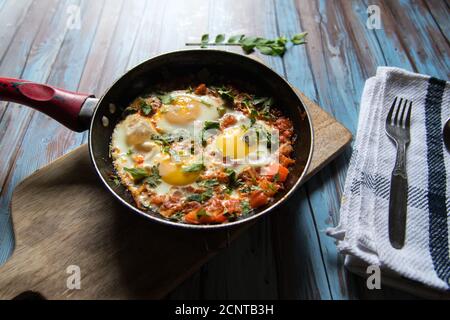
{"points": [[222, 226]]}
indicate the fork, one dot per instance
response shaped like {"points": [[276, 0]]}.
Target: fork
{"points": [[398, 123]]}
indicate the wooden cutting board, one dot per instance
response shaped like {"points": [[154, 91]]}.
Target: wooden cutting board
{"points": [[63, 216]]}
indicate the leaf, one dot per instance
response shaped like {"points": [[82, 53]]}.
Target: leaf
{"points": [[166, 99], [202, 213], [196, 167], [146, 109], [265, 50], [138, 174], [245, 206], [235, 39], [205, 38], [220, 38], [202, 197], [154, 179], [211, 125], [299, 38], [209, 183]]}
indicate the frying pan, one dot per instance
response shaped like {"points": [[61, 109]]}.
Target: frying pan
{"points": [[80, 112]]}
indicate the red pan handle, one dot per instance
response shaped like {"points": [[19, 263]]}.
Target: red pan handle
{"points": [[63, 106]]}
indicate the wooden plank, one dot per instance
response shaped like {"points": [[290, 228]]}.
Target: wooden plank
{"points": [[15, 118], [12, 65], [440, 11], [300, 267], [12, 14], [427, 49]]}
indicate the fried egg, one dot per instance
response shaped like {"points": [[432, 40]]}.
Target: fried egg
{"points": [[186, 108]]}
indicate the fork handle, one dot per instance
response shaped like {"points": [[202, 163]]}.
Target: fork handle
{"points": [[398, 200]]}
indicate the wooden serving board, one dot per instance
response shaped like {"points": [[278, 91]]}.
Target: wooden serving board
{"points": [[63, 216]]}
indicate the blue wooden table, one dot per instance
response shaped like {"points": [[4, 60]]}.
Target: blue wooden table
{"points": [[85, 45]]}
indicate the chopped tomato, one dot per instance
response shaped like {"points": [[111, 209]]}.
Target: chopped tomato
{"points": [[200, 90], [258, 199], [228, 120], [279, 169], [269, 188], [220, 218], [138, 159], [191, 217]]}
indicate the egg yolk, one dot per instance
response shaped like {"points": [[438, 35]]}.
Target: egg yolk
{"points": [[173, 174], [183, 110], [231, 144]]}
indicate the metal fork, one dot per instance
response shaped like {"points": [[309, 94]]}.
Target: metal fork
{"points": [[397, 128]]}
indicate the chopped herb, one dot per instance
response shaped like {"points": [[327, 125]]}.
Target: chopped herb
{"points": [[231, 176], [129, 152], [230, 215], [200, 197], [245, 206], [276, 177], [196, 167], [177, 216], [202, 213], [207, 126], [211, 125], [166, 98], [154, 179], [209, 183], [221, 110], [146, 109], [164, 139], [138, 174], [206, 103], [225, 94]]}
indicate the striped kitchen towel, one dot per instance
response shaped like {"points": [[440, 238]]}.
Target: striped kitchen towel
{"points": [[362, 233]]}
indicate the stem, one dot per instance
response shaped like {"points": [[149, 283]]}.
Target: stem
{"points": [[211, 44]]}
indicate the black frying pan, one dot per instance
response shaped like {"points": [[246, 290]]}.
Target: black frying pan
{"points": [[80, 112]]}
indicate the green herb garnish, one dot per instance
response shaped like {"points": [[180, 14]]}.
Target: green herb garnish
{"points": [[208, 183], [271, 47], [211, 125], [154, 179], [177, 216], [196, 167], [202, 213], [139, 174], [201, 197], [245, 207], [166, 98]]}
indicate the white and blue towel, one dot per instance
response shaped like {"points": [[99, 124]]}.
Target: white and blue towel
{"points": [[362, 233]]}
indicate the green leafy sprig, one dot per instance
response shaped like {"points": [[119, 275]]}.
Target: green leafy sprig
{"points": [[270, 47]]}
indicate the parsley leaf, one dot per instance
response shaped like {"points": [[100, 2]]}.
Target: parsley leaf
{"points": [[196, 167], [165, 98], [299, 38], [154, 179], [220, 38], [211, 125], [138, 174], [245, 207]]}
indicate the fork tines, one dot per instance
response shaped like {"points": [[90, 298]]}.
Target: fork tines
{"points": [[403, 106]]}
